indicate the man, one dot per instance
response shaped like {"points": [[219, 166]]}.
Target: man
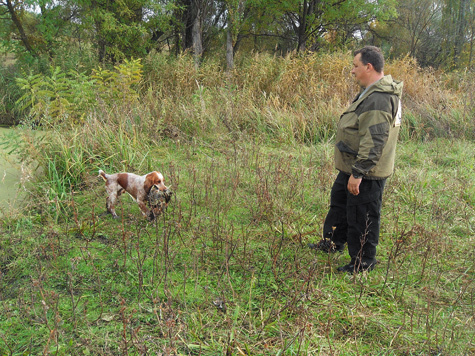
{"points": [[364, 156]]}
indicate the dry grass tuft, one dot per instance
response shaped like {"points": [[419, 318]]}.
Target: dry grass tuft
{"points": [[296, 98]]}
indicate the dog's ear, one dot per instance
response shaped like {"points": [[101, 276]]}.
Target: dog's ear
{"points": [[148, 184]]}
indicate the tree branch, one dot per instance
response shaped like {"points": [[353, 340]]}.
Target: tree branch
{"points": [[17, 22]]}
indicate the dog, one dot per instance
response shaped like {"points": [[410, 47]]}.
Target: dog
{"points": [[137, 186]]}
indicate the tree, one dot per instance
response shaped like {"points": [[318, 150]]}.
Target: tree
{"points": [[40, 25], [471, 28], [311, 20], [117, 28], [235, 16], [413, 31], [456, 14], [15, 11]]}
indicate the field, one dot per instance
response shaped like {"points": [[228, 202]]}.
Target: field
{"points": [[226, 270]]}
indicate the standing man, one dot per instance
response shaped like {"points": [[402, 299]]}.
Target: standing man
{"points": [[364, 156]]}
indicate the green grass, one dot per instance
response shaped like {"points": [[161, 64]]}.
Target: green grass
{"points": [[226, 271], [236, 230]]}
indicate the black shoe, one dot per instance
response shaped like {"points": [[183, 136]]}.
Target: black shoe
{"points": [[349, 268], [326, 245], [357, 267]]}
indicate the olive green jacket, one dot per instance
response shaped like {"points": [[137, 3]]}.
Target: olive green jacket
{"points": [[368, 130]]}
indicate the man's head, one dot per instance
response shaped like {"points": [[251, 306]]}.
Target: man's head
{"points": [[368, 65]]}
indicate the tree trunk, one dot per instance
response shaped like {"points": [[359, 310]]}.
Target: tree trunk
{"points": [[229, 49], [16, 20], [302, 39], [471, 49], [188, 21], [197, 38], [460, 23]]}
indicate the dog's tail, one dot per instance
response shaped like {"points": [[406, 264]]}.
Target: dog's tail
{"points": [[102, 174]]}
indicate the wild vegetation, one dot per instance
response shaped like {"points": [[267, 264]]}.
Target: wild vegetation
{"points": [[226, 270], [439, 33]]}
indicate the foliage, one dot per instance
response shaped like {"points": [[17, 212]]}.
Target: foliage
{"points": [[437, 33], [119, 85], [49, 97], [297, 98], [263, 93], [9, 94], [64, 98], [120, 29]]}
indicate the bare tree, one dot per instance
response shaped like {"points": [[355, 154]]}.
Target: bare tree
{"points": [[416, 17]]}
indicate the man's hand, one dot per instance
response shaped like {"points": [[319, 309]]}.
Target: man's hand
{"points": [[354, 185]]}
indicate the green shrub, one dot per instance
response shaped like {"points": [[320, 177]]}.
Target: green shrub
{"points": [[66, 98]]}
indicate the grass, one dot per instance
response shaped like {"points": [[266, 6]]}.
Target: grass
{"points": [[226, 270]]}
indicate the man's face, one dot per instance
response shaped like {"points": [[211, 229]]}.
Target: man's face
{"points": [[360, 71]]}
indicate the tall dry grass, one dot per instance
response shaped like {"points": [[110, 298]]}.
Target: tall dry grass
{"points": [[288, 100], [298, 98], [436, 104]]}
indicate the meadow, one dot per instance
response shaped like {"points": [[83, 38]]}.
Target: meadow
{"points": [[226, 269]]}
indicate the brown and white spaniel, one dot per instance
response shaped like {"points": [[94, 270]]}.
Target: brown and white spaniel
{"points": [[137, 186]]}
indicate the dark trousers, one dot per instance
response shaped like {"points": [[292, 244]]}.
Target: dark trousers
{"points": [[355, 219]]}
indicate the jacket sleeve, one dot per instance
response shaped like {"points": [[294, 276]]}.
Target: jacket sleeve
{"points": [[374, 120]]}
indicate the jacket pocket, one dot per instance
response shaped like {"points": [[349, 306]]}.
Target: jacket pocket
{"points": [[344, 148]]}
